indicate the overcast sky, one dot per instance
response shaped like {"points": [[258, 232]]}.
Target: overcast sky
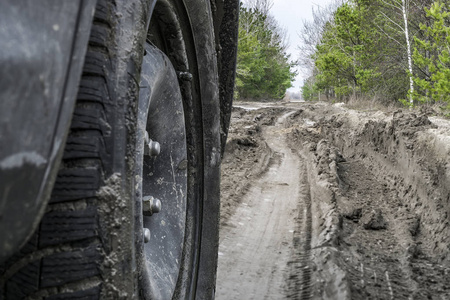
{"points": [[290, 15]]}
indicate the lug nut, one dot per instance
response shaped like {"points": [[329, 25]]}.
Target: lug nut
{"points": [[151, 148], [150, 206], [154, 148], [146, 235]]}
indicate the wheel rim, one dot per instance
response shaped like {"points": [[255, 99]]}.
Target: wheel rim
{"points": [[170, 32], [164, 176]]}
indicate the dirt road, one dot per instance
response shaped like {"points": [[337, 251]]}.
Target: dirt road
{"points": [[322, 202], [257, 241]]}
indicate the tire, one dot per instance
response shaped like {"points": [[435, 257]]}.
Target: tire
{"points": [[92, 242]]}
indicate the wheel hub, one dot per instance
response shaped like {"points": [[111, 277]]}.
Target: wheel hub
{"points": [[162, 166]]}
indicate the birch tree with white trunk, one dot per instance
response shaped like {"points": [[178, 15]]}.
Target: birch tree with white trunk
{"points": [[402, 7]]}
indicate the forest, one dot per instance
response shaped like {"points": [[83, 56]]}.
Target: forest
{"points": [[264, 69], [386, 50], [389, 51]]}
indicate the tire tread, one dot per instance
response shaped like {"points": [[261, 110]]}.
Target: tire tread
{"points": [[70, 230]]}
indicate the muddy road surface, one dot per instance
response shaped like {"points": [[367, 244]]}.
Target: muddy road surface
{"points": [[257, 243], [323, 202]]}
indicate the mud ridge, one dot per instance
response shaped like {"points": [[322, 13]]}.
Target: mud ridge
{"points": [[391, 200]]}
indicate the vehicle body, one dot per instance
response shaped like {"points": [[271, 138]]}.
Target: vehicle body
{"points": [[42, 54]]}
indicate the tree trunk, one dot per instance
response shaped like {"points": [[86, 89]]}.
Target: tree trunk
{"points": [[408, 48]]}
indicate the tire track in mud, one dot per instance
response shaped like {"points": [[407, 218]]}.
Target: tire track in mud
{"points": [[257, 241], [300, 267]]}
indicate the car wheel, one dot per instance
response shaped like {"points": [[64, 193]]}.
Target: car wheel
{"points": [[134, 210]]}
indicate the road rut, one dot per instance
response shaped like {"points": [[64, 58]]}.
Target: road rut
{"points": [[257, 241]]}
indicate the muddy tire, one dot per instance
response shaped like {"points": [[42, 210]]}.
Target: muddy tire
{"points": [[105, 234]]}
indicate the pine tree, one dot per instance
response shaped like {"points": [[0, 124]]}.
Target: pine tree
{"points": [[264, 69], [346, 54], [433, 53]]}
